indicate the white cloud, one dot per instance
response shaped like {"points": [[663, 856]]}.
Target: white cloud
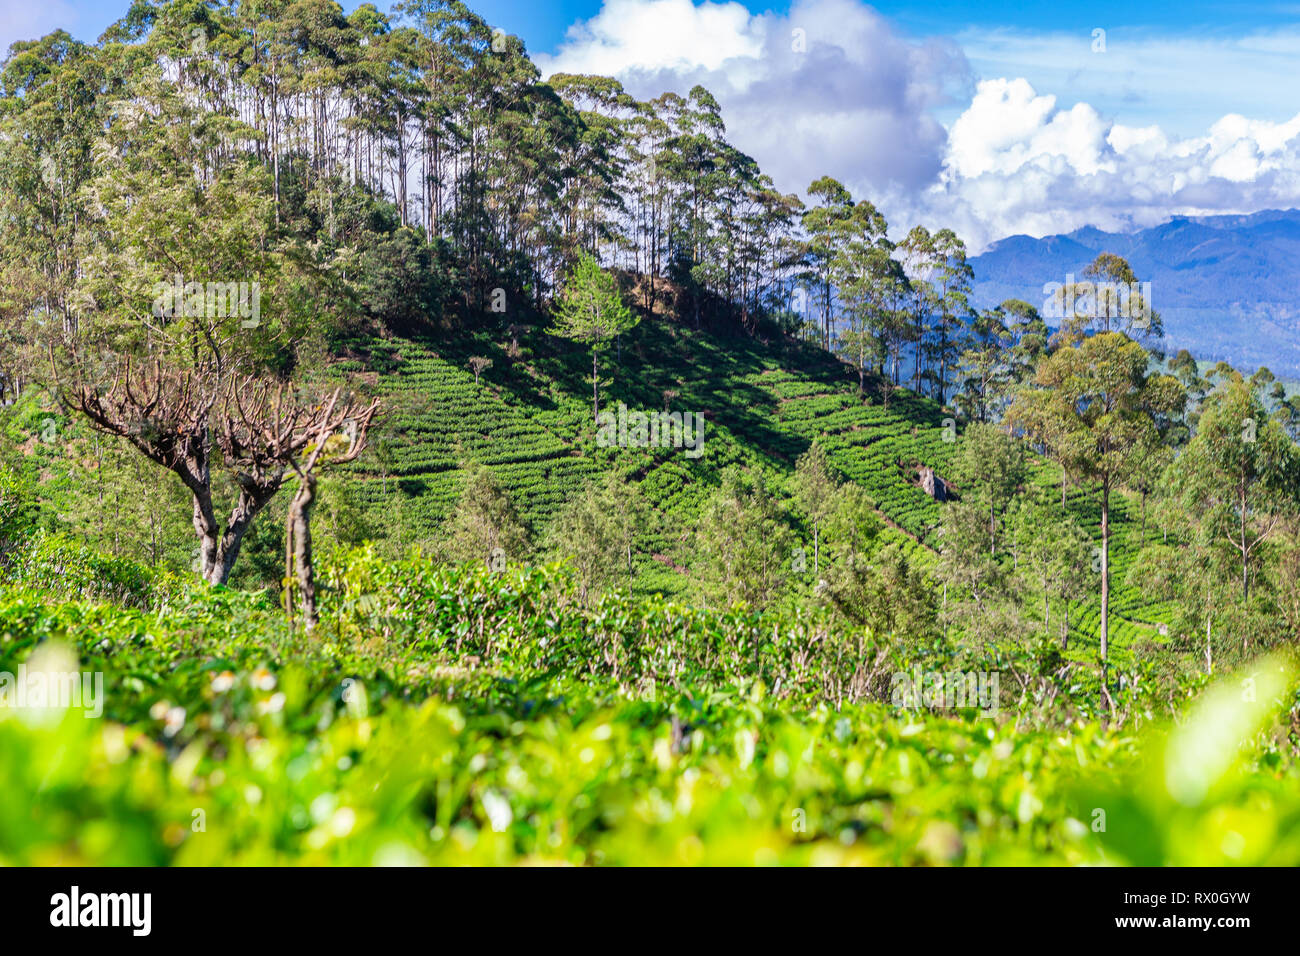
{"points": [[830, 88], [1008, 125], [1018, 164], [1021, 153], [631, 36]]}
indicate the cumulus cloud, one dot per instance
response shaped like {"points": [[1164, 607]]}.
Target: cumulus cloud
{"points": [[647, 36], [829, 88], [833, 88], [1017, 163], [1182, 80]]}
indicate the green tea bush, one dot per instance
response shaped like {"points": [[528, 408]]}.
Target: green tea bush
{"points": [[451, 715]]}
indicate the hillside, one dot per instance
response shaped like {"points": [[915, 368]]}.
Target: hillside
{"points": [[764, 402]]}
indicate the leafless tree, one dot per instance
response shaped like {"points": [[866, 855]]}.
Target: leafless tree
{"points": [[277, 431], [258, 431], [478, 365]]}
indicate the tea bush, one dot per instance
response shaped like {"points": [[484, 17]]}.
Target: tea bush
{"points": [[451, 715]]}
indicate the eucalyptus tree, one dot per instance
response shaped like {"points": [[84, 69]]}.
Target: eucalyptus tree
{"points": [[816, 494], [647, 136], [1108, 297], [992, 464], [952, 279], [1240, 474], [1053, 555], [590, 204], [51, 106], [919, 256], [985, 371], [832, 204], [1030, 335], [1094, 406], [860, 267]]}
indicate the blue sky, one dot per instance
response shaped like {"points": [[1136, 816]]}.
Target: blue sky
{"points": [[998, 37], [993, 116], [542, 23]]}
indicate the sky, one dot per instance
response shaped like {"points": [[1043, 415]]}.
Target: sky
{"points": [[991, 117]]}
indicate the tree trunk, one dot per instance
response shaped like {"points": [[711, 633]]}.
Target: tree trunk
{"points": [[1245, 577], [1105, 586], [993, 523], [1209, 657], [595, 395], [299, 543], [217, 550]]}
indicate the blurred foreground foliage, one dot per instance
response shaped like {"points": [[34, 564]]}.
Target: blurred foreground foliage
{"points": [[451, 715]]}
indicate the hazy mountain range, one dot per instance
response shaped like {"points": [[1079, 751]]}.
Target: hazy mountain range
{"points": [[1227, 287]]}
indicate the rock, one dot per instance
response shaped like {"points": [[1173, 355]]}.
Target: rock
{"points": [[933, 485]]}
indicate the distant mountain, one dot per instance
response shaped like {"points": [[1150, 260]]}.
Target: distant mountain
{"points": [[1227, 287]]}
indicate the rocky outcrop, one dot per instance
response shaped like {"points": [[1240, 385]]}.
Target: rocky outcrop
{"points": [[932, 484]]}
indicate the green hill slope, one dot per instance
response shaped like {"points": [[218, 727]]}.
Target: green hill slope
{"points": [[764, 402]]}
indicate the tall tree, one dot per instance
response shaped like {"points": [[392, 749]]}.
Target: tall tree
{"points": [[815, 494], [953, 275], [822, 223], [591, 310], [992, 463], [1108, 298], [861, 269], [1240, 475], [1095, 406], [985, 370]]}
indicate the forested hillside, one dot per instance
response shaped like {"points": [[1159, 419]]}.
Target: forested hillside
{"points": [[438, 464]]}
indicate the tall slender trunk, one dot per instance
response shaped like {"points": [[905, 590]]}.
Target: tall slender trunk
{"points": [[298, 545], [993, 524], [1105, 590], [1245, 576], [1209, 657]]}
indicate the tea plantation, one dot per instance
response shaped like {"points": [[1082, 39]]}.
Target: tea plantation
{"points": [[457, 716]]}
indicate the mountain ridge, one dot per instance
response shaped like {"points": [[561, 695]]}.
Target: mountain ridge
{"points": [[1227, 287]]}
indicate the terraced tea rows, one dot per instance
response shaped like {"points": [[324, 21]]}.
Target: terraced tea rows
{"points": [[531, 423], [441, 419]]}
